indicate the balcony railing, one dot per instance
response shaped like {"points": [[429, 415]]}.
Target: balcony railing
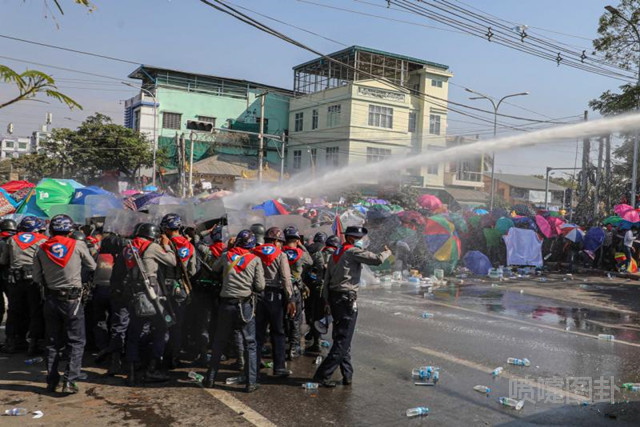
{"points": [[469, 176]]}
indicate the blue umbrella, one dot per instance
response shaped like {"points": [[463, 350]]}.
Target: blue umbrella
{"points": [[81, 194], [477, 262], [479, 211]]}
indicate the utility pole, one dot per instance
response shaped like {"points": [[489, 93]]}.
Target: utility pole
{"points": [[261, 138], [191, 138], [607, 168], [586, 150], [283, 141], [596, 200]]}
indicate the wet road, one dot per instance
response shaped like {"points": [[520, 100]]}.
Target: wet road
{"points": [[475, 327]]}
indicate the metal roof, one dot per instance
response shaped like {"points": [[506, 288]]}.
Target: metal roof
{"points": [[377, 52], [525, 181], [467, 194], [140, 73], [232, 165]]}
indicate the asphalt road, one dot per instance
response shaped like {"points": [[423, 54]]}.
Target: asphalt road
{"points": [[475, 327]]}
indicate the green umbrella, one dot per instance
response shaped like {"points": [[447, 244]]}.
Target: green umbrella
{"points": [[613, 220], [504, 224], [555, 213], [50, 192], [459, 222], [474, 221]]}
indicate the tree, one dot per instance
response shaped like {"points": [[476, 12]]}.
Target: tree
{"points": [[85, 154]]}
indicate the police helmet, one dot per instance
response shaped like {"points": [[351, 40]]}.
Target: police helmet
{"points": [[291, 232], [333, 241], [78, 235], [216, 233], [171, 221], [147, 231], [8, 225], [320, 237], [273, 234], [257, 229], [246, 239], [29, 224], [61, 224]]}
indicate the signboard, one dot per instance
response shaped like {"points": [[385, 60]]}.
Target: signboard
{"points": [[413, 180], [536, 196], [380, 93]]}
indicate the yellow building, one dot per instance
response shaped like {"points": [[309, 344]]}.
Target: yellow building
{"points": [[370, 106]]}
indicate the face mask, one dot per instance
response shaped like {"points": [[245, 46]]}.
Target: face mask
{"points": [[359, 244]]}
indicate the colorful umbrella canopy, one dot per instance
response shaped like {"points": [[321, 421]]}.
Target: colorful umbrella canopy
{"points": [[477, 262], [622, 208], [429, 201], [412, 219], [593, 239], [480, 211], [81, 194], [474, 221], [613, 220], [523, 210], [631, 216], [572, 232], [442, 239], [13, 186], [50, 192], [459, 222], [555, 224], [543, 226], [504, 224]]}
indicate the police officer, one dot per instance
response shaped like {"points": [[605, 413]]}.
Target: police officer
{"points": [[57, 268], [8, 228], [177, 279], [299, 263], [25, 301], [242, 277], [152, 256], [341, 284], [277, 295], [259, 231]]}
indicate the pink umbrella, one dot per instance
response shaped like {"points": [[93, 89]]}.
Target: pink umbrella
{"points": [[631, 216], [543, 226], [555, 225], [621, 209], [429, 201], [130, 192]]}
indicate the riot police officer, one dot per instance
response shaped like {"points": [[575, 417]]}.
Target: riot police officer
{"points": [[57, 268], [341, 286], [242, 278], [8, 228]]}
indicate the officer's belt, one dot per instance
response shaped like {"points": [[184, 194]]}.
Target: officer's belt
{"points": [[65, 294], [235, 300]]}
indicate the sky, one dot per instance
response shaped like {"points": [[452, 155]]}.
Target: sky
{"points": [[189, 35]]}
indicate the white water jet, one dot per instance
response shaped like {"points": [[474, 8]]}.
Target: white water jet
{"points": [[341, 178]]}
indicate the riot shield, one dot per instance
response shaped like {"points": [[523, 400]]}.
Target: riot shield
{"points": [[241, 220], [79, 213], [301, 223], [122, 222], [185, 211], [101, 204], [212, 209]]}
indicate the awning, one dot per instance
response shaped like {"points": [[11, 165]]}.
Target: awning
{"points": [[467, 195]]}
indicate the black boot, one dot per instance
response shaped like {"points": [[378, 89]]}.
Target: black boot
{"points": [[153, 374], [116, 365], [132, 375], [10, 346], [210, 379]]}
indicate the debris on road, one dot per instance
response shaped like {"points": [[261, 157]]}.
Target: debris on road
{"points": [[512, 403], [235, 380], [497, 371], [427, 315], [196, 377], [606, 337], [34, 361], [16, 412], [518, 362], [38, 414], [417, 412], [482, 389]]}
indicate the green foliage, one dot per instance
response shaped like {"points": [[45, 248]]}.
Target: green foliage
{"points": [[406, 197], [97, 146], [31, 83]]}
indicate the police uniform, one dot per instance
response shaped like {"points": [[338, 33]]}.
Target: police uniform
{"points": [[242, 277], [57, 267], [299, 262], [272, 302], [8, 228], [341, 287], [25, 301]]}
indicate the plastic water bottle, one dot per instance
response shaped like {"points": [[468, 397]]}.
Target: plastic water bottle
{"points": [[318, 360], [482, 389], [424, 372], [310, 386], [268, 365], [16, 412], [606, 337], [497, 371], [417, 412], [512, 403], [196, 377], [325, 343], [34, 361], [235, 380], [436, 376], [630, 386], [427, 315], [518, 362]]}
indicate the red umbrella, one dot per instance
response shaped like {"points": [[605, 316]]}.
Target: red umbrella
{"points": [[429, 201], [555, 225], [543, 226]]}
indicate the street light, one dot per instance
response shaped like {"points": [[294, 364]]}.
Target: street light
{"points": [[155, 120], [495, 105], [634, 173]]}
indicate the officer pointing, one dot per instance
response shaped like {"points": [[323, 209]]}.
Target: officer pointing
{"points": [[341, 283]]}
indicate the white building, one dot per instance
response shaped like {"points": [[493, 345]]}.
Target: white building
{"points": [[12, 147], [378, 105]]}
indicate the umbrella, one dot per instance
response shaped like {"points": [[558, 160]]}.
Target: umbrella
{"points": [[593, 239], [13, 186], [480, 211], [412, 218], [543, 226], [499, 213], [477, 262], [555, 224], [51, 192], [81, 194], [150, 188], [130, 192], [620, 209], [442, 239], [572, 232], [525, 222], [459, 222], [555, 214], [631, 216], [613, 220], [522, 210], [429, 201], [504, 224], [474, 221]]}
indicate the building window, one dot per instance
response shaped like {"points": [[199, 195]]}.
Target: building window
{"points": [[136, 120], [333, 158], [297, 159], [22, 145], [207, 119], [298, 122], [380, 116], [434, 124], [314, 119], [416, 88], [412, 121], [314, 157], [8, 144], [436, 83], [377, 154], [171, 120], [432, 170], [333, 115]]}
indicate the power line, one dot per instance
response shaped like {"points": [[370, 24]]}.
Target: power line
{"points": [[55, 67]]}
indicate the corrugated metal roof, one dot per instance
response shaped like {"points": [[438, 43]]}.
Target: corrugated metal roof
{"points": [[525, 181], [233, 165], [467, 194]]}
